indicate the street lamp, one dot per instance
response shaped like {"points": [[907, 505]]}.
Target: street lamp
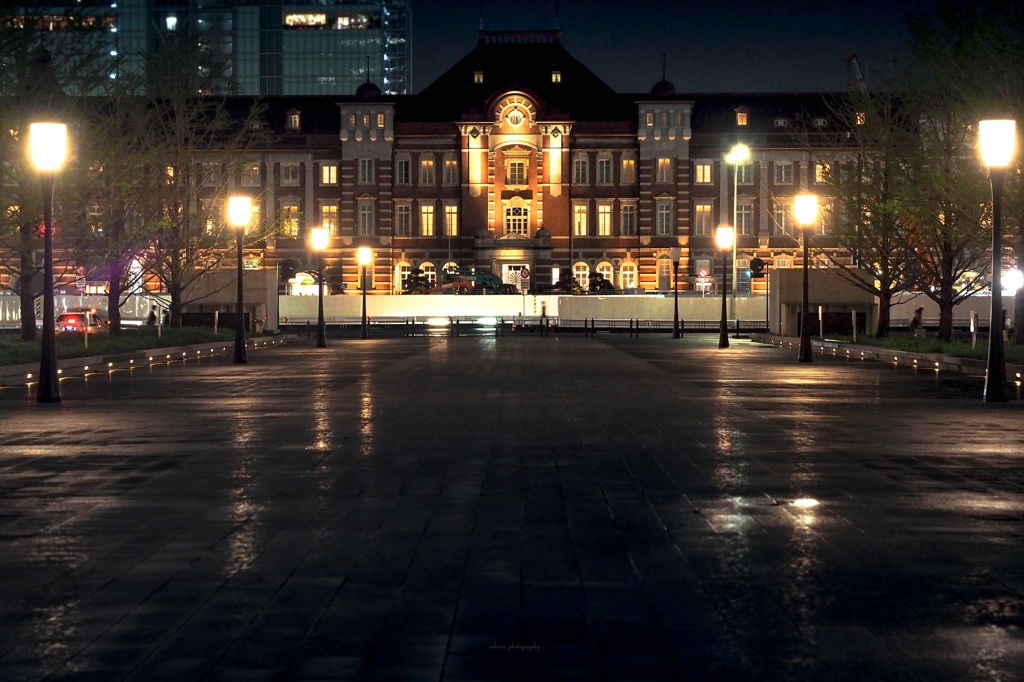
{"points": [[318, 238], [737, 156], [239, 215], [805, 211], [997, 140], [365, 256], [47, 146], [724, 238], [675, 252]]}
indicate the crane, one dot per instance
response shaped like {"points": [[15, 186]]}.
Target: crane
{"points": [[854, 66]]}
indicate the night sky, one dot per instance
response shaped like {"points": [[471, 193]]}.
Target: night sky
{"points": [[711, 46]]}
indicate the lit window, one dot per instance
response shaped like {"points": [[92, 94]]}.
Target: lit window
{"points": [[329, 218], [822, 173], [649, 119], [604, 220], [861, 118], [604, 171], [581, 273], [628, 172], [451, 220], [702, 174], [290, 220], [329, 174], [556, 76], [169, 175], [702, 219], [478, 76], [579, 220], [293, 120], [380, 120], [305, 20], [664, 170], [517, 219], [741, 118], [628, 227], [427, 171], [426, 221], [451, 172], [251, 175], [627, 276], [171, 22]]}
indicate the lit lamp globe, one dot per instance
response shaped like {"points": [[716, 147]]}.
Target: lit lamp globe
{"points": [[239, 211], [740, 153], [48, 143], [723, 236], [997, 140]]}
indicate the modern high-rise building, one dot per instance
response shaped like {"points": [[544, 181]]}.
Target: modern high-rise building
{"points": [[282, 47]]}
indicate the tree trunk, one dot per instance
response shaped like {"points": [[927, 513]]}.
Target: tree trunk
{"points": [[114, 297], [884, 316], [174, 289], [945, 320]]}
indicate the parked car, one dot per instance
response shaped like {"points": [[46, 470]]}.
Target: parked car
{"points": [[82, 320]]}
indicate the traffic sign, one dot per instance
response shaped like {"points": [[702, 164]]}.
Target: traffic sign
{"points": [[703, 272], [524, 273]]}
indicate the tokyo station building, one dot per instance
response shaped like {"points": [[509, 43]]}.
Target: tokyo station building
{"points": [[519, 157]]}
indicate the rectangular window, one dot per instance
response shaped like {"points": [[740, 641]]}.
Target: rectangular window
{"points": [[604, 220], [328, 174], [579, 220], [822, 173], [366, 223], [426, 221], [702, 174], [380, 120], [451, 172], [744, 219], [579, 171], [781, 223], [427, 171], [649, 119], [329, 218], [517, 220], [664, 170], [403, 220], [290, 219], [628, 219], [628, 172], [702, 219], [451, 220], [293, 121], [783, 173], [741, 118], [745, 174], [251, 175], [516, 173], [403, 172], [604, 171], [289, 175], [664, 218], [365, 172], [169, 175]]}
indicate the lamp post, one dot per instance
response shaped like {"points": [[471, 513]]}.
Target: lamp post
{"points": [[805, 211], [365, 255], [48, 146], [997, 139], [239, 215], [675, 252], [318, 238], [737, 156], [724, 238]]}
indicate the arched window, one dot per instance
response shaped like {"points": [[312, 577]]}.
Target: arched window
{"points": [[606, 271], [429, 272], [581, 271], [627, 275]]}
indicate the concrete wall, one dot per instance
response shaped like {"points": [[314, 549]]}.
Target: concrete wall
{"points": [[218, 291], [826, 288]]}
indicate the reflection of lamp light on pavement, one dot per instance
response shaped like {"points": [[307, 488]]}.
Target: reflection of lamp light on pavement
{"points": [[365, 255], [997, 140], [239, 215], [318, 238], [724, 240], [47, 147], [805, 212], [675, 252]]}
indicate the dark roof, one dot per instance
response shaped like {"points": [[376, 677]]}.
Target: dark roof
{"points": [[519, 61]]}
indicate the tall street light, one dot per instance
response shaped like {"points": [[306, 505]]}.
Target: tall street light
{"points": [[997, 140], [739, 155], [675, 253], [365, 255], [239, 215], [48, 146], [724, 238], [805, 212], [318, 238]]}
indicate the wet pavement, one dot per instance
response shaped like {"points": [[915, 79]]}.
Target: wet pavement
{"points": [[520, 508]]}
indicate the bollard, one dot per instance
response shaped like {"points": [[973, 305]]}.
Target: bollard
{"points": [[307, 329], [681, 325], [853, 314]]}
